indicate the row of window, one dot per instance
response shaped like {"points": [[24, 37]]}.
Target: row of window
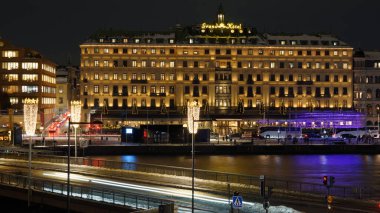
{"points": [[239, 64], [217, 51], [367, 79], [9, 54], [221, 76], [27, 78], [28, 89], [15, 100], [368, 94], [220, 102]]}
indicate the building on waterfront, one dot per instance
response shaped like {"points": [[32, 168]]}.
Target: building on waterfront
{"points": [[25, 74], [67, 87], [367, 85], [241, 78]]}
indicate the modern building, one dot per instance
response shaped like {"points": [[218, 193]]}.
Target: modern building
{"points": [[367, 85], [67, 87], [239, 77], [24, 74]]}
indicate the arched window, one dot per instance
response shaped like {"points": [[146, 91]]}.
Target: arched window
{"points": [[369, 93], [369, 109]]}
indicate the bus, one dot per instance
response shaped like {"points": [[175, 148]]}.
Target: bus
{"points": [[276, 132]]}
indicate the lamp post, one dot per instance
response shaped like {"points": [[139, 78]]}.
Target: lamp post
{"points": [[75, 117], [378, 112], [192, 116], [30, 121], [278, 135]]}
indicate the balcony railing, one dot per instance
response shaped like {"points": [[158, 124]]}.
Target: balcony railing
{"points": [[158, 94], [139, 81], [223, 69], [304, 82]]}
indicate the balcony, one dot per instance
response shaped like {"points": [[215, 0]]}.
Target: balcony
{"points": [[85, 93], [196, 81], [250, 81], [223, 69], [115, 94], [250, 95], [152, 94], [196, 94], [139, 81], [304, 82], [85, 80]]}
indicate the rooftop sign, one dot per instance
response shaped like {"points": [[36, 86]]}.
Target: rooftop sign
{"points": [[229, 26]]}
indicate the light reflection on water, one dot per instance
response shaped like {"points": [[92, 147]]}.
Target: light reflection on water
{"points": [[347, 169]]}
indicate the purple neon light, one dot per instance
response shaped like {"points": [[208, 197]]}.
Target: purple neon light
{"points": [[324, 119]]}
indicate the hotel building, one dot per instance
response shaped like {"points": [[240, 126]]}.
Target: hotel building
{"points": [[239, 77], [25, 74]]}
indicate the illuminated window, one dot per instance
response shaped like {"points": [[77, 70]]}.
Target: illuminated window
{"points": [[261, 52], [106, 77], [29, 89], [171, 77], [196, 52], [115, 76], [134, 64], [143, 63], [11, 77], [143, 76], [134, 50], [96, 63], [29, 65], [13, 100], [96, 76], [272, 65], [105, 89], [162, 51], [10, 54], [125, 40], [162, 89], [113, 40], [124, 76], [171, 64], [134, 89], [153, 76], [105, 63], [30, 77], [153, 64], [10, 65], [335, 53], [143, 89], [191, 41], [96, 89], [162, 63], [106, 50], [153, 51], [162, 76], [345, 65], [282, 52], [152, 89], [134, 76], [171, 41]]}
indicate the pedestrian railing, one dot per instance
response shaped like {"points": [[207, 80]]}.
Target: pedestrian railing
{"points": [[356, 192], [87, 193]]}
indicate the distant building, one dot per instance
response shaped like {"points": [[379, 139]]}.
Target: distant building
{"points": [[240, 78], [24, 73], [367, 85], [67, 87]]}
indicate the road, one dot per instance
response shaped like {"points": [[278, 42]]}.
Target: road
{"points": [[210, 197]]}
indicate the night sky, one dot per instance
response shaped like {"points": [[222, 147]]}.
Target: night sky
{"points": [[57, 27]]}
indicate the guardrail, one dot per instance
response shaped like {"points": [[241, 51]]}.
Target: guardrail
{"points": [[87, 193], [356, 192]]}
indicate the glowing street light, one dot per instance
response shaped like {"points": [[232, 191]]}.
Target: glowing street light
{"points": [[75, 117], [30, 121], [193, 111]]}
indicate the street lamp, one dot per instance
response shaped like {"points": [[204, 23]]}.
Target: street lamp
{"points": [[378, 111], [30, 121], [75, 117], [192, 116], [278, 135]]}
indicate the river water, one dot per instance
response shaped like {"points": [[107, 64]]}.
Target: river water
{"points": [[348, 170]]}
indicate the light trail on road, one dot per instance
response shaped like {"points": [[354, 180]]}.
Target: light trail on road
{"points": [[216, 202]]}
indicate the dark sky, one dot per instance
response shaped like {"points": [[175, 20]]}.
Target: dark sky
{"points": [[57, 27]]}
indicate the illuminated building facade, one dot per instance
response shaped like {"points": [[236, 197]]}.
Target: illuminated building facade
{"points": [[236, 74], [25, 74], [367, 85], [67, 87]]}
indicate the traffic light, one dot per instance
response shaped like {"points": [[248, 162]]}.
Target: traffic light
{"points": [[332, 180], [325, 180]]}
